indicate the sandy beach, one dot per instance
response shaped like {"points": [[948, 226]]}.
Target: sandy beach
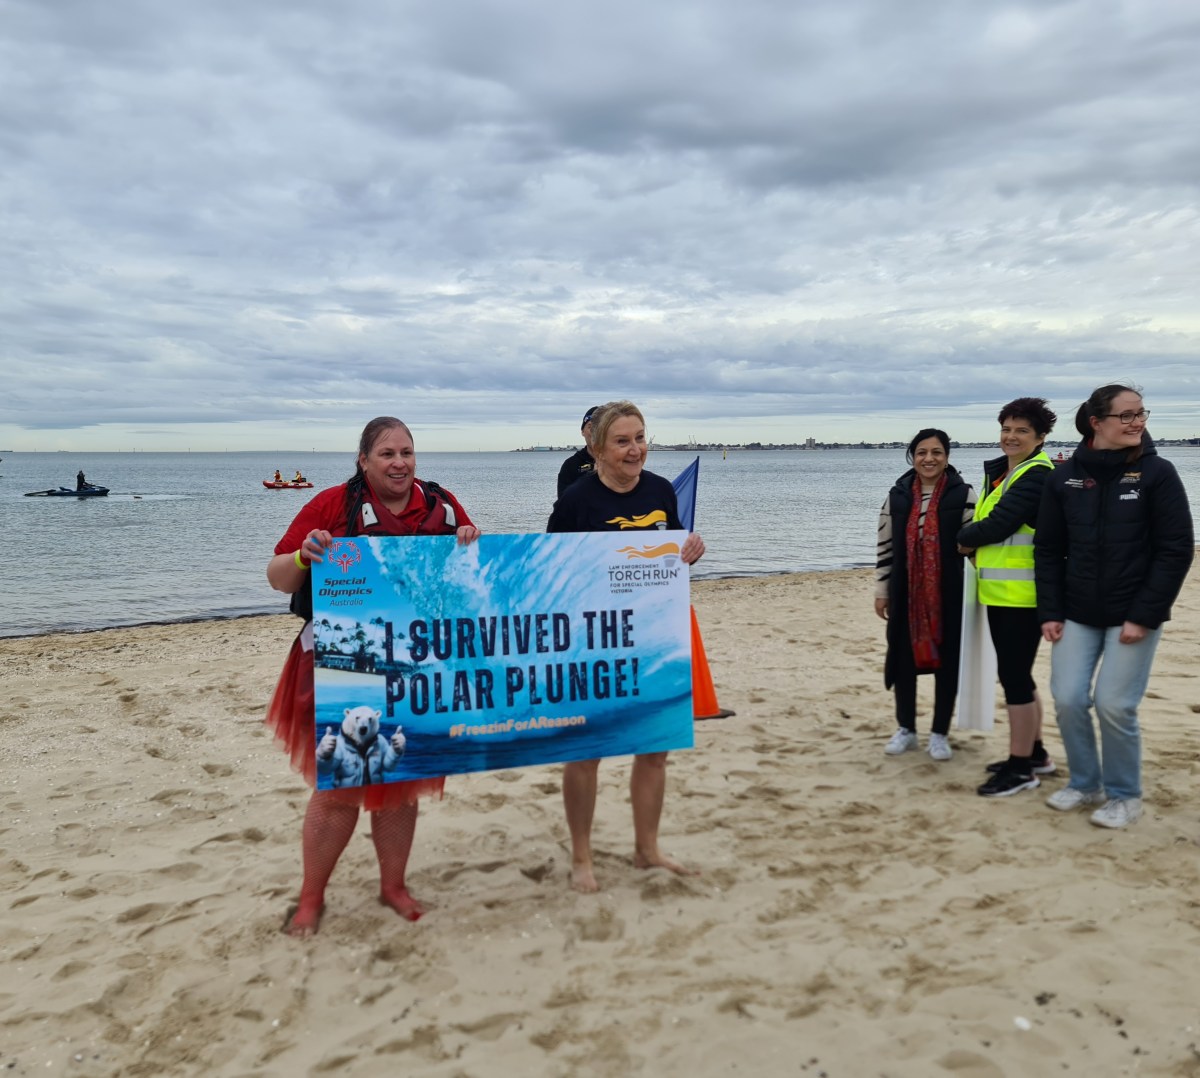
{"points": [[856, 916]]}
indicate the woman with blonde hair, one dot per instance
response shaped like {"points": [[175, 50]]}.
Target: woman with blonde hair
{"points": [[620, 495]]}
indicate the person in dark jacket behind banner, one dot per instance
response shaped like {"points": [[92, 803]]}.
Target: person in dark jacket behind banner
{"points": [[1114, 543], [581, 462], [919, 586], [383, 497], [1001, 538]]}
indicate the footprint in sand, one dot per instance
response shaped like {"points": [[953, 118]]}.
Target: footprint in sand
{"points": [[537, 873], [486, 868], [140, 912], [490, 1028], [969, 1065], [71, 969], [603, 926], [663, 885]]}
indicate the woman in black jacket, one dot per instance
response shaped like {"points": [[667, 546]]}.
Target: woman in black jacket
{"points": [[918, 586], [1113, 546]]}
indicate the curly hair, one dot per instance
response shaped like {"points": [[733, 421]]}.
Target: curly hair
{"points": [[1034, 409]]}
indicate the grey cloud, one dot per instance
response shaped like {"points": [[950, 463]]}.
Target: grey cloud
{"points": [[731, 211]]}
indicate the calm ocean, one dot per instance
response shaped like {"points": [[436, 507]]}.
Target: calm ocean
{"points": [[187, 536]]}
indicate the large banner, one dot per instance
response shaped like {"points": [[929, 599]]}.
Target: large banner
{"points": [[437, 659]]}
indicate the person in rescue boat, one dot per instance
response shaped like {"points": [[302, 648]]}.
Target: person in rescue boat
{"points": [[620, 495], [1001, 539], [383, 497], [919, 584]]}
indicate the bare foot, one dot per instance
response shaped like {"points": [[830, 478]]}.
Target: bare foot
{"points": [[583, 879], [658, 859], [402, 902], [306, 920]]}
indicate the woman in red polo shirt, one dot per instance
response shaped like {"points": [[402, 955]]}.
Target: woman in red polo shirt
{"points": [[383, 497]]}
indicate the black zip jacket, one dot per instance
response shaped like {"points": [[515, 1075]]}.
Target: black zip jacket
{"points": [[1114, 539]]}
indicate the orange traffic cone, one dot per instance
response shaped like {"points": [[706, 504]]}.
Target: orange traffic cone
{"points": [[704, 694]]}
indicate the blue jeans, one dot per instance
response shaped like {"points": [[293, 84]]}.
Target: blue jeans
{"points": [[1119, 687]]}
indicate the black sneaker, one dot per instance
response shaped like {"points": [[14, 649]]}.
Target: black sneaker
{"points": [[1005, 783], [1042, 764]]}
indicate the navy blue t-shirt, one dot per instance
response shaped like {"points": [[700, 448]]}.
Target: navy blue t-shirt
{"points": [[589, 506]]}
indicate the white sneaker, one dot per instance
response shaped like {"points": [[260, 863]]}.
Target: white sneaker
{"points": [[1069, 798], [902, 740], [1118, 813], [939, 747]]}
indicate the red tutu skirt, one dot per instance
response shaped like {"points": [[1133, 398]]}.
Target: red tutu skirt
{"points": [[291, 716]]}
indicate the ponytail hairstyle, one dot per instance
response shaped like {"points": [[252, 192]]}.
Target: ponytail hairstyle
{"points": [[921, 435], [1097, 406], [372, 432]]}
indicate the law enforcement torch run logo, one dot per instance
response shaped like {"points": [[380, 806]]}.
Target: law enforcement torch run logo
{"points": [[644, 567]]}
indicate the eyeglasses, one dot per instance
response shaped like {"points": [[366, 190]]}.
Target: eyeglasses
{"points": [[1139, 416]]}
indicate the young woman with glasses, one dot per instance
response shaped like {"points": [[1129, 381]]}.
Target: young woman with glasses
{"points": [[1114, 543]]}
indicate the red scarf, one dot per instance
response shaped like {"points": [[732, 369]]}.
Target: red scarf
{"points": [[925, 578]]}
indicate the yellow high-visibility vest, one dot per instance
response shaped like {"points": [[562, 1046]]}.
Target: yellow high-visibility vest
{"points": [[1006, 569]]}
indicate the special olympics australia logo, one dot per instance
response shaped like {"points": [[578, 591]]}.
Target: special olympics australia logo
{"points": [[344, 555]]}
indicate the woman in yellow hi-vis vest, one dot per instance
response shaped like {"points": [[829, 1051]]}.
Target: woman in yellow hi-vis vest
{"points": [[1001, 538]]}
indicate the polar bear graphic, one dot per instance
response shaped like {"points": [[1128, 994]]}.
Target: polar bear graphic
{"points": [[358, 754]]}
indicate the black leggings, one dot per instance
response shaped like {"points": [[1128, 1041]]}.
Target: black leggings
{"points": [[1016, 633]]}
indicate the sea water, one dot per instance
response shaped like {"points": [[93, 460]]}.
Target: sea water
{"points": [[186, 536]]}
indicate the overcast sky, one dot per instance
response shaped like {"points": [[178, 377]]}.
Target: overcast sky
{"points": [[255, 225]]}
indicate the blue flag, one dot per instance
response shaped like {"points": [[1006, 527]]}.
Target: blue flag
{"points": [[685, 493]]}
